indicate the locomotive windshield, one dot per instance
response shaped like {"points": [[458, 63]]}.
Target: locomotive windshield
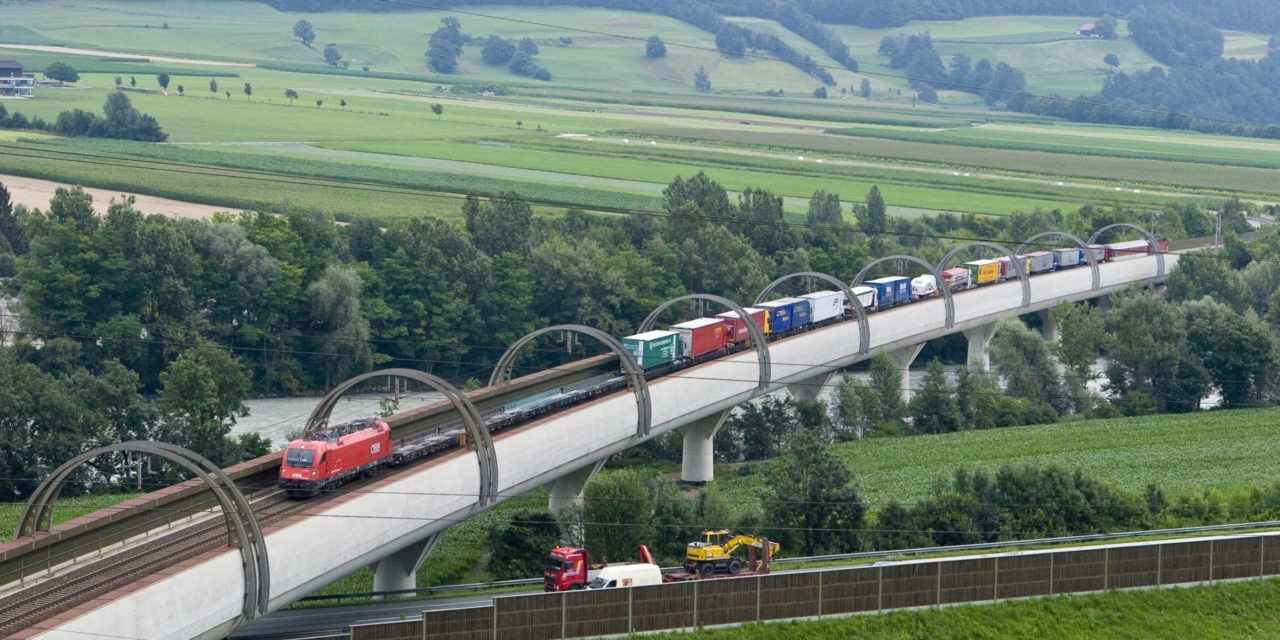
{"points": [[300, 458]]}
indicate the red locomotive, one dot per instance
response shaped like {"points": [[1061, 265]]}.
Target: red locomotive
{"points": [[334, 455]]}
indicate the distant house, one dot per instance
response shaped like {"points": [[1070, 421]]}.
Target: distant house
{"points": [[14, 83], [1088, 29]]}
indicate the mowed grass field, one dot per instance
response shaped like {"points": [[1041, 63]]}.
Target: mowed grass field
{"points": [[1224, 450], [1225, 611], [604, 89]]}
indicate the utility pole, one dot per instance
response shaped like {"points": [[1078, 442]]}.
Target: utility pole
{"points": [[1217, 229]]}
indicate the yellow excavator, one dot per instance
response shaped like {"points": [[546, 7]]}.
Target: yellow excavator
{"points": [[714, 553]]}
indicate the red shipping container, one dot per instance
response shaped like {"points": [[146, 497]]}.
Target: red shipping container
{"points": [[701, 336], [736, 327]]}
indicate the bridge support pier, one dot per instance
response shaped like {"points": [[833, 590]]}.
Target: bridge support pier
{"points": [[697, 463], [1048, 328], [811, 388], [1103, 303], [902, 358], [566, 490], [979, 339], [399, 571]]}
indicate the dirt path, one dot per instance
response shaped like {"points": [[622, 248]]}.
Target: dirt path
{"points": [[116, 54], [36, 194]]}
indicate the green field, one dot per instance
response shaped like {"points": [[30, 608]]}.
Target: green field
{"points": [[64, 509], [1217, 612], [1224, 450], [534, 140]]}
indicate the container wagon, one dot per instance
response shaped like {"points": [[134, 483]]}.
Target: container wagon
{"points": [[866, 296], [654, 348], [801, 312], [1065, 258], [957, 278], [1099, 253], [891, 291], [736, 328], [1006, 266], [700, 337], [1040, 262], [983, 271], [825, 305], [779, 314], [925, 286]]}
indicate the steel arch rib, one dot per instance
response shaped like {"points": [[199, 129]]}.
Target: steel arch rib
{"points": [[947, 300], [864, 330], [1151, 240], [635, 375], [241, 522], [472, 421], [758, 340], [1084, 246], [1013, 260]]}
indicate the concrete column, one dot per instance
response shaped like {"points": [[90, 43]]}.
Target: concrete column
{"points": [[566, 490], [1048, 328], [979, 339], [1103, 303], [399, 570], [697, 464], [903, 358], [809, 389]]}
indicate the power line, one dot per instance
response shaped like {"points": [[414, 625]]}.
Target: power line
{"points": [[816, 64]]}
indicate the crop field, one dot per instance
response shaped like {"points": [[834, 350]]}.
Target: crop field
{"points": [[386, 134], [1224, 450], [1215, 612]]}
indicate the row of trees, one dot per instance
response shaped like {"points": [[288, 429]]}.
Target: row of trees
{"points": [[924, 69], [119, 119]]}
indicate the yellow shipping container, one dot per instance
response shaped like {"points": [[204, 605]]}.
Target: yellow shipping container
{"points": [[988, 273]]}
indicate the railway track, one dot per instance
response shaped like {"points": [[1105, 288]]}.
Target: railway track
{"points": [[51, 597]]}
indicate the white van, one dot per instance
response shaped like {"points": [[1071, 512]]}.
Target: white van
{"points": [[626, 575]]}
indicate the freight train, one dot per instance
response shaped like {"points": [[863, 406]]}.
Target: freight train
{"points": [[344, 452]]}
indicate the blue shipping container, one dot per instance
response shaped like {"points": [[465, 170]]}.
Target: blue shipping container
{"points": [[801, 312], [891, 290], [779, 314]]}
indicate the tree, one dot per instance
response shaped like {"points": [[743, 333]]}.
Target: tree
{"points": [[497, 50], [248, 91], [874, 217], [291, 95], [1111, 60], [228, 94], [303, 31], [616, 508], [1023, 360], [518, 546], [133, 82], [730, 42], [1081, 339], [1148, 353], [342, 104], [701, 81], [864, 88], [62, 71], [331, 55], [437, 109], [1105, 27], [182, 91], [528, 46], [163, 80], [811, 503], [1237, 350], [202, 393], [933, 406], [119, 81], [502, 225], [820, 92], [961, 67], [213, 85], [319, 103], [654, 48]]}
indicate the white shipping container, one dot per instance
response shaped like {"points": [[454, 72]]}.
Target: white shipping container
{"points": [[825, 305], [925, 285], [1067, 257], [866, 296]]}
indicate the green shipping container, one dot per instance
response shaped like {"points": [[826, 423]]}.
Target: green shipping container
{"points": [[653, 348]]}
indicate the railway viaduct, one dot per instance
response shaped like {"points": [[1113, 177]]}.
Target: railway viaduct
{"points": [[393, 521]]}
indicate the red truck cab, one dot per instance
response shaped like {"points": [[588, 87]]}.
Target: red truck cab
{"points": [[565, 569]]}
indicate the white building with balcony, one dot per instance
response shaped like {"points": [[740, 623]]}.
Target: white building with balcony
{"points": [[14, 83]]}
